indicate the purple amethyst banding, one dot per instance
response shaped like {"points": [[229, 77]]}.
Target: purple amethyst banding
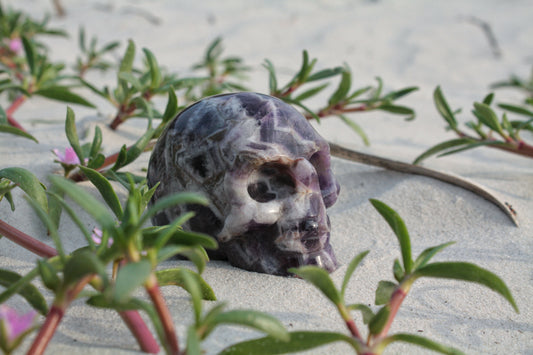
{"points": [[266, 172]]}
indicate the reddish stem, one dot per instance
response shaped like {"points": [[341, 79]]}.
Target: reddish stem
{"points": [[395, 302], [140, 331], [54, 317], [47, 330], [25, 241], [339, 110], [132, 319], [12, 108], [164, 315], [518, 147], [353, 328], [125, 111]]}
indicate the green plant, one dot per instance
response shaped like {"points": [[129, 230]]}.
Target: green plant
{"points": [[389, 298], [487, 130], [343, 101]]}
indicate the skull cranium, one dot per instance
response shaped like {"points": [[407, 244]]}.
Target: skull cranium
{"points": [[266, 172]]}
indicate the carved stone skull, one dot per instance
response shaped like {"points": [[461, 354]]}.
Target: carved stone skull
{"points": [[266, 172]]}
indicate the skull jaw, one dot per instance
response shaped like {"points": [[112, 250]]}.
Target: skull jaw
{"points": [[254, 251]]}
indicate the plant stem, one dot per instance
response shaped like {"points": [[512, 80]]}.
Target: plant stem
{"points": [[339, 110], [353, 328], [26, 241], [47, 331], [395, 302], [164, 315], [132, 319], [12, 108], [56, 313], [140, 331], [513, 146]]}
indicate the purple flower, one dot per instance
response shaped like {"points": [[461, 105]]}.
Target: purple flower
{"points": [[68, 158], [13, 326], [15, 45], [97, 237]]}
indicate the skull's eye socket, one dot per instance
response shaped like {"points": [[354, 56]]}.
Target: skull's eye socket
{"points": [[271, 181]]}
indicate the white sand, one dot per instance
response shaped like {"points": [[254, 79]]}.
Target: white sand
{"points": [[422, 43]]}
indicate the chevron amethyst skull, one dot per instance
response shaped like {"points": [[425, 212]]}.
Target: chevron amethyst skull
{"points": [[266, 172]]}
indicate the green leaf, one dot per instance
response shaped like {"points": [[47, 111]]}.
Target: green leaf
{"points": [[311, 92], [3, 117], [129, 278], [377, 323], [324, 74], [166, 233], [28, 183], [57, 204], [399, 110], [93, 88], [193, 342], [516, 109], [155, 72], [356, 128], [395, 95], [96, 144], [304, 69], [384, 292], [398, 226], [81, 264], [398, 271], [17, 132], [129, 155], [428, 253], [172, 106], [63, 94], [96, 209], [443, 146], [443, 108], [175, 277], [488, 99], [102, 301], [487, 116], [126, 64], [343, 88], [299, 341], [350, 270], [106, 190], [191, 284], [31, 57], [50, 225], [358, 93], [421, 341], [182, 237], [321, 280], [172, 200], [197, 255], [48, 275], [72, 134], [471, 146], [467, 272], [253, 319], [272, 81], [130, 78], [365, 311], [29, 292]]}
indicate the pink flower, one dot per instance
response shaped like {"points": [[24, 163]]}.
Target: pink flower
{"points": [[13, 326], [97, 237], [15, 45], [68, 158]]}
